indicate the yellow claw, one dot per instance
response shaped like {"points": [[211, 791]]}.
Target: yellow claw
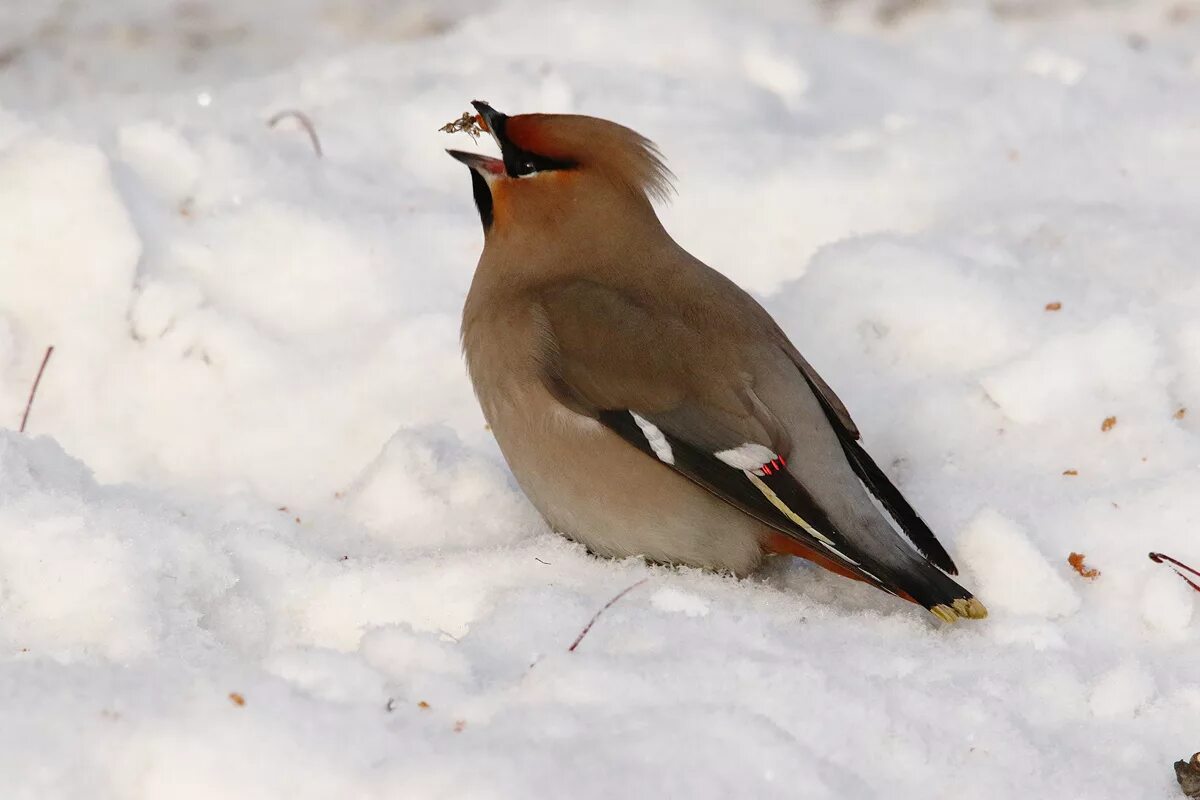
{"points": [[944, 613]]}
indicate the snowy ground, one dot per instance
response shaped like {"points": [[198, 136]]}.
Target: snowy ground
{"points": [[258, 543]]}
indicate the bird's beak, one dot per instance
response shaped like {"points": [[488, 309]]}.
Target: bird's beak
{"points": [[486, 166], [493, 122]]}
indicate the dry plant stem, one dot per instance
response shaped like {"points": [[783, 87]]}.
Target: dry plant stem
{"points": [[596, 616], [1159, 558], [468, 123], [305, 123], [34, 388]]}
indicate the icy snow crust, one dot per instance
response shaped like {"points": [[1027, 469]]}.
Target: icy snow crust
{"points": [[259, 543]]}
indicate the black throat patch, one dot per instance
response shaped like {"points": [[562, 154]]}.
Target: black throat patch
{"points": [[483, 199]]}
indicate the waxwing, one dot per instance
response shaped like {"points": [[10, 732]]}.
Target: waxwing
{"points": [[645, 403]]}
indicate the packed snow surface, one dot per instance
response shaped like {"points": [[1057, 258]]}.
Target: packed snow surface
{"points": [[257, 542]]}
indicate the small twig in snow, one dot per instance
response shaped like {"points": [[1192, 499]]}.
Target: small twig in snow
{"points": [[305, 122], [596, 616], [1159, 558], [33, 390]]}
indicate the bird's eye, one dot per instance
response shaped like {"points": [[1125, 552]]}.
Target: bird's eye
{"points": [[523, 164]]}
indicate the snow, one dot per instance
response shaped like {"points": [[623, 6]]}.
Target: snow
{"points": [[671, 599], [255, 470], [1122, 691], [1167, 603], [1010, 572]]}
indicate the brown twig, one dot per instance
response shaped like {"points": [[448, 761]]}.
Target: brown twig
{"points": [[596, 616], [305, 122], [34, 388], [1159, 558]]}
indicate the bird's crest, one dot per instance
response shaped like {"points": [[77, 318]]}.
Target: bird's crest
{"points": [[624, 156]]}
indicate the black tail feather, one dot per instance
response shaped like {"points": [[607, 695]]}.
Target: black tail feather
{"points": [[879, 485], [890, 498]]}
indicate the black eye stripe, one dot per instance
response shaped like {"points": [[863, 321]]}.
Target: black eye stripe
{"points": [[523, 162]]}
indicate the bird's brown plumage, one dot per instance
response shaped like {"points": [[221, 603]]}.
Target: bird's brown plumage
{"points": [[645, 403]]}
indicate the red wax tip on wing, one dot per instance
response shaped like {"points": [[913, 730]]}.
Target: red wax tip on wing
{"points": [[482, 123], [773, 466]]}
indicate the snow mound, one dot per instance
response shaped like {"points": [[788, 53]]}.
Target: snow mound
{"points": [[1010, 574], [259, 542], [1168, 603]]}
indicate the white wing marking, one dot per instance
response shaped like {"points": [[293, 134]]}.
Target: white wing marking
{"points": [[749, 456], [658, 442]]}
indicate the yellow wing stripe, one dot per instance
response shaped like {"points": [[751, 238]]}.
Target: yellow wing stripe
{"points": [[787, 512]]}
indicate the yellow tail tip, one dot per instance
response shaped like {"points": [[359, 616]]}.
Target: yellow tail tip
{"points": [[944, 613], [970, 608], [966, 608]]}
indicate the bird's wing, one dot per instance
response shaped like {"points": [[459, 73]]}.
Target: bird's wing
{"points": [[616, 361], [874, 478], [835, 409]]}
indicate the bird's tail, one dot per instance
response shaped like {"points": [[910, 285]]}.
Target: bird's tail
{"points": [[927, 586], [908, 570]]}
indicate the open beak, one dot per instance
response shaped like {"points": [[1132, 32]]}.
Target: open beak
{"points": [[493, 122], [486, 166]]}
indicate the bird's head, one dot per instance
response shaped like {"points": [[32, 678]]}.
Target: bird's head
{"points": [[555, 167]]}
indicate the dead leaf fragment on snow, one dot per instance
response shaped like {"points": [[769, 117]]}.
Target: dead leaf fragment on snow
{"points": [[1077, 563], [1188, 775], [1071, 472], [1055, 306], [1108, 424], [237, 699]]}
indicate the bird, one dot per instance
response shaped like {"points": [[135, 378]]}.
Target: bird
{"points": [[646, 404]]}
